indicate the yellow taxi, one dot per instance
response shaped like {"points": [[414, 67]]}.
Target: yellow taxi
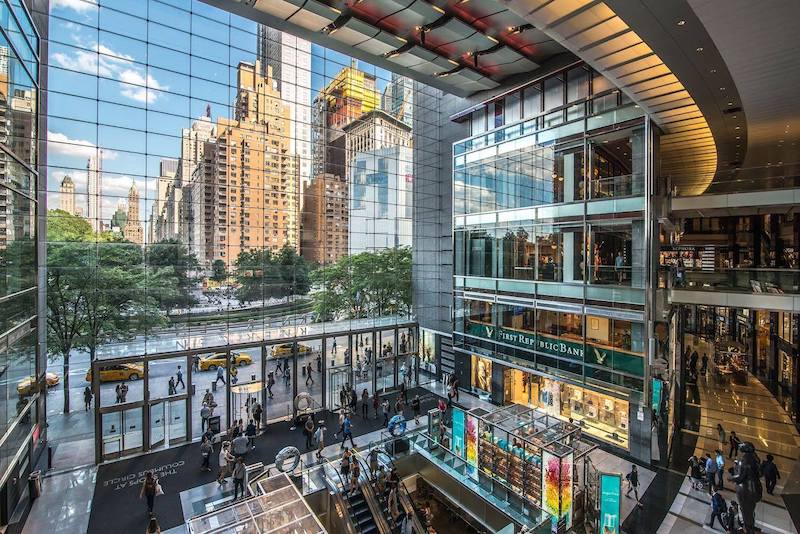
{"points": [[211, 362], [27, 386], [284, 350], [115, 373]]}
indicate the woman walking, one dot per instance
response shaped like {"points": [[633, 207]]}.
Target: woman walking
{"points": [[149, 490]]}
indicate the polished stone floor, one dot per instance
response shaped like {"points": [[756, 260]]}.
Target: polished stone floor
{"points": [[754, 414], [65, 503]]}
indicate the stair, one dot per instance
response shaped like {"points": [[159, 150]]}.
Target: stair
{"points": [[360, 513]]}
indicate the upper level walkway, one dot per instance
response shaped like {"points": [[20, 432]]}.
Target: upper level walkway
{"points": [[764, 289]]}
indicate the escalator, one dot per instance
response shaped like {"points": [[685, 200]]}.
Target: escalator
{"points": [[360, 513]]}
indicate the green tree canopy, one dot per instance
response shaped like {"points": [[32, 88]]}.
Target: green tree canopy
{"points": [[262, 274], [171, 259], [368, 284], [219, 271]]}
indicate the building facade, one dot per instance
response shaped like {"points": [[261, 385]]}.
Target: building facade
{"points": [[22, 348], [94, 190], [374, 130], [325, 219], [66, 195], [133, 230], [380, 191], [551, 223]]}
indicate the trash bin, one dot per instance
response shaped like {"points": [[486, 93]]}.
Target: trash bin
{"points": [[35, 484], [214, 386]]}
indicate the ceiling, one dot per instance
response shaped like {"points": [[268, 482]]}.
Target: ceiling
{"points": [[727, 105], [766, 71], [459, 46]]}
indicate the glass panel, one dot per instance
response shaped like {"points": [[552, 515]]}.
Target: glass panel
{"points": [[158, 424], [279, 381], [167, 377], [553, 93], [177, 421], [120, 383], [532, 105], [111, 425], [133, 430], [386, 361]]}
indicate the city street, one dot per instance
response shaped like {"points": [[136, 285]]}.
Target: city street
{"points": [[169, 416]]}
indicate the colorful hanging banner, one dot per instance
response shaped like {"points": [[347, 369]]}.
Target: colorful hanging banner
{"points": [[458, 432], [610, 492], [472, 446]]}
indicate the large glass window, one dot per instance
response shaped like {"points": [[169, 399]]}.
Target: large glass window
{"points": [[553, 92], [532, 101]]}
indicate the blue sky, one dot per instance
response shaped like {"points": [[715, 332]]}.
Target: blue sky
{"points": [[127, 75]]}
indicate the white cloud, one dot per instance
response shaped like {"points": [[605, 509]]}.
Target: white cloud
{"points": [[80, 6], [106, 62], [59, 143]]}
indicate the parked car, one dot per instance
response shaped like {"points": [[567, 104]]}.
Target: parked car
{"points": [[116, 373], [212, 361], [27, 386]]}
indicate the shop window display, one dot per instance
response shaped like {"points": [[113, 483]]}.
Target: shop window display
{"points": [[481, 373]]}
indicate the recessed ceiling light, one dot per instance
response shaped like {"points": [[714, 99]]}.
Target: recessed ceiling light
{"points": [[730, 103], [721, 88], [699, 48], [737, 128], [681, 22], [780, 163], [738, 137], [713, 71]]}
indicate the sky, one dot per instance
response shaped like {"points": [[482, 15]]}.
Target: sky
{"points": [[128, 75]]}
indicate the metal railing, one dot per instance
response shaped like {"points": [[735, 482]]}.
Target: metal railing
{"points": [[381, 521], [744, 280], [342, 504]]}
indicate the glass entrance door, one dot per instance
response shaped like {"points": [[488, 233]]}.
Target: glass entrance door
{"points": [[157, 425], [177, 421], [111, 423], [132, 431], [338, 377]]}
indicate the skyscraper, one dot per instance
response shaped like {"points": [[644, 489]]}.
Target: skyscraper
{"points": [[66, 196], [168, 168], [290, 60], [133, 230], [94, 190], [398, 99]]}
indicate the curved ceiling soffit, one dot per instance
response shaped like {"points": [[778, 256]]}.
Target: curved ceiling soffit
{"points": [[598, 35]]}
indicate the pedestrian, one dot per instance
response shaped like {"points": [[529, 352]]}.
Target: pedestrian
{"points": [[633, 483], [693, 362], [415, 405], [287, 377], [240, 445], [721, 435], [149, 490], [711, 473], [695, 473], [334, 346], [258, 411], [270, 383], [220, 376], [345, 464], [152, 526], [118, 391], [398, 404], [319, 436], [225, 460], [205, 415], [771, 474], [347, 431], [734, 442], [208, 398], [196, 363], [250, 432], [319, 363], [355, 474], [455, 388], [171, 386], [720, 459], [403, 392], [385, 409], [718, 507], [87, 397], [365, 404], [704, 364], [353, 401], [123, 391], [376, 403], [373, 462], [308, 430], [308, 374], [179, 379], [205, 452], [234, 372], [279, 367], [239, 475]]}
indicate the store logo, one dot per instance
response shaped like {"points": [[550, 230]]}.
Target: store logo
{"points": [[489, 331], [600, 356]]}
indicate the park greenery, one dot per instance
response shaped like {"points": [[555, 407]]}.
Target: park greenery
{"points": [[368, 284], [102, 288]]}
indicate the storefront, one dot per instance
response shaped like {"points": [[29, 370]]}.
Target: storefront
{"points": [[481, 375], [599, 415]]}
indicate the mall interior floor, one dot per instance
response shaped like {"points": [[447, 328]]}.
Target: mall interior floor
{"points": [[754, 414]]}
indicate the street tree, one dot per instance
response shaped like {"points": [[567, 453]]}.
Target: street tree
{"points": [[174, 256], [219, 271], [260, 274]]}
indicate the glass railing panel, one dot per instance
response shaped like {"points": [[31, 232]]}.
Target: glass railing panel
{"points": [[757, 281]]}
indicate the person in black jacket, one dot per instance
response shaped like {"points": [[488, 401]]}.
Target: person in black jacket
{"points": [[718, 508], [770, 472]]}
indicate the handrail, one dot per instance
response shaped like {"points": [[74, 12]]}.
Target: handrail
{"points": [[340, 500], [369, 495]]}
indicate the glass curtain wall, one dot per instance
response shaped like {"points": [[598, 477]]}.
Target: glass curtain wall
{"points": [[212, 181]]}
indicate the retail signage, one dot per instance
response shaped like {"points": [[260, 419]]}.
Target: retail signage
{"points": [[610, 492], [658, 390], [472, 446], [458, 432]]}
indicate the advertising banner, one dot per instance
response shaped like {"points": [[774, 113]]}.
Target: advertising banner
{"points": [[551, 466], [472, 446], [658, 391], [458, 432], [610, 492]]}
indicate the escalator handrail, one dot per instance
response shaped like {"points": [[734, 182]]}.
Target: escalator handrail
{"points": [[339, 497], [405, 497], [369, 495]]}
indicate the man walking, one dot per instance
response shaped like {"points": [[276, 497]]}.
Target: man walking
{"points": [[771, 474], [220, 376], [179, 379], [347, 431], [711, 473], [720, 458], [87, 397], [239, 474], [205, 451], [718, 507], [734, 441], [308, 370], [205, 414]]}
